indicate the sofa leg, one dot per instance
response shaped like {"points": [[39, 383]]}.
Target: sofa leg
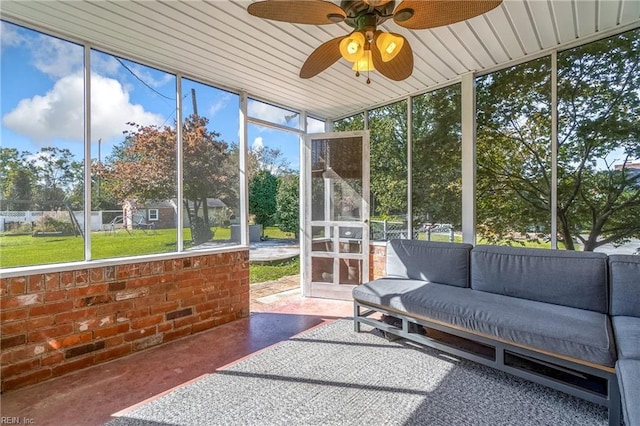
{"points": [[356, 315], [615, 405]]}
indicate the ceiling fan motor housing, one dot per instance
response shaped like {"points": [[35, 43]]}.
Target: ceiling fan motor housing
{"points": [[361, 14]]}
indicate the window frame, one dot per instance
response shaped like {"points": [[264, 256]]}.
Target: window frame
{"points": [[153, 215]]}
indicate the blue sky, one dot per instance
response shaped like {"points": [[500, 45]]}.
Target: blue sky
{"points": [[42, 99]]}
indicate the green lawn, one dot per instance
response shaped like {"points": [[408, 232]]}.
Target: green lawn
{"points": [[24, 250], [520, 243], [274, 233], [262, 273]]}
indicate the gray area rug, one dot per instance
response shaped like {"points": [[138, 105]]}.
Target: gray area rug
{"points": [[334, 376]]}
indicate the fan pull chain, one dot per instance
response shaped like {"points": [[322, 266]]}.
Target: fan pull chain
{"points": [[368, 66]]}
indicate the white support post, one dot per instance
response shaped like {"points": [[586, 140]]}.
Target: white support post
{"points": [[244, 179], [179, 166], [554, 149], [304, 270], [468, 158], [87, 153], [305, 215], [409, 167]]}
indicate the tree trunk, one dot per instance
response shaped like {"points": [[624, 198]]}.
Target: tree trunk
{"points": [[205, 212], [567, 237]]}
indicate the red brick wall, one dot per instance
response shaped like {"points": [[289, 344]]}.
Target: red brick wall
{"points": [[377, 259], [56, 323]]}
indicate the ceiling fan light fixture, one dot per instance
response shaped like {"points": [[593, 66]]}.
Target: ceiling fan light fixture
{"points": [[352, 46], [389, 45], [365, 63]]}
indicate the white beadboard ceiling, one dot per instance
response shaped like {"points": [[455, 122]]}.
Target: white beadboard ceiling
{"points": [[219, 43]]}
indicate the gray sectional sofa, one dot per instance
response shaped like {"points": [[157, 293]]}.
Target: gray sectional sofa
{"points": [[625, 315], [544, 315]]}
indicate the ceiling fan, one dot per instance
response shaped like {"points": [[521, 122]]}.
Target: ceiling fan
{"points": [[366, 46]]}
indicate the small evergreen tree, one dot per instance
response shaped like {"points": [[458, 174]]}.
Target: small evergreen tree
{"points": [[288, 204], [262, 197]]}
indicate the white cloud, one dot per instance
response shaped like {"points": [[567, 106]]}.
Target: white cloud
{"points": [[257, 144], [9, 36], [104, 64], [143, 73], [111, 109], [271, 113], [315, 126], [59, 114], [52, 56], [219, 104], [55, 57]]}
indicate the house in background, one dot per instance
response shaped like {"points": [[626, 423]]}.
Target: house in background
{"points": [[219, 213], [633, 169], [164, 214], [156, 214]]}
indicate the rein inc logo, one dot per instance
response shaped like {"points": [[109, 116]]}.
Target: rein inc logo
{"points": [[17, 421]]}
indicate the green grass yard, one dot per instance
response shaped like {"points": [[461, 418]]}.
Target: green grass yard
{"points": [[25, 250], [262, 273]]}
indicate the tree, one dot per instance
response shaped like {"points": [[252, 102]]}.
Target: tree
{"points": [[19, 191], [266, 158], [355, 122], [101, 197], [599, 105], [437, 157], [598, 137], [55, 173], [209, 172], [262, 197], [143, 168], [15, 180], [514, 150], [388, 159], [288, 204]]}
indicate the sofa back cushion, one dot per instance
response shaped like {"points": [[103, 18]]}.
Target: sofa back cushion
{"points": [[569, 278], [436, 262], [624, 275]]}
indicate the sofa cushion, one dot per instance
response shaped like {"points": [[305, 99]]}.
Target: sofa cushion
{"points": [[386, 291], [577, 333], [628, 372], [438, 262], [624, 275], [574, 279], [627, 332]]}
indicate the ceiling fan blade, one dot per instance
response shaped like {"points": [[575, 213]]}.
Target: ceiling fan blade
{"points": [[312, 12], [322, 58], [399, 67], [422, 14]]}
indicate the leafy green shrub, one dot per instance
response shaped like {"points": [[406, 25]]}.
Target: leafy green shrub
{"points": [[50, 224]]}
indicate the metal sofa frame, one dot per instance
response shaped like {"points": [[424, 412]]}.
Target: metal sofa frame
{"points": [[505, 353]]}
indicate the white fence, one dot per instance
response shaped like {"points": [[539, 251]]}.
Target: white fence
{"points": [[10, 220], [383, 230]]}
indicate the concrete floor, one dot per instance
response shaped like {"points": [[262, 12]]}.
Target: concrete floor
{"points": [[93, 395]]}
